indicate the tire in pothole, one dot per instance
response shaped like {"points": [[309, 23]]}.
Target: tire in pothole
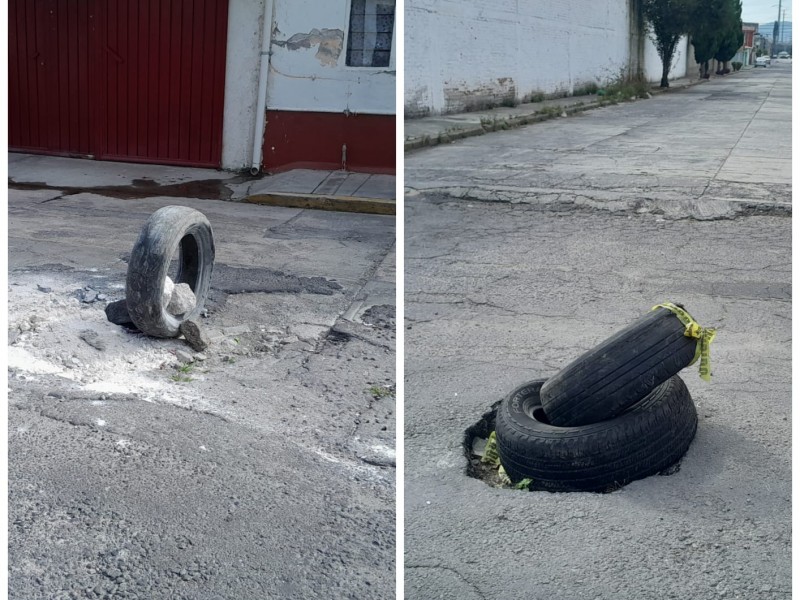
{"points": [[169, 230], [649, 437], [606, 380]]}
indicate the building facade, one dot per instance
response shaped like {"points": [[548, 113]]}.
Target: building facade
{"points": [[232, 84], [746, 54]]}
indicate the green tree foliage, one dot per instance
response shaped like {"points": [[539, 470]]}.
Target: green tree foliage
{"points": [[732, 35], [668, 20], [706, 27]]}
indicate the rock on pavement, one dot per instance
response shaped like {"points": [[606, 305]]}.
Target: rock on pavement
{"points": [[195, 335]]}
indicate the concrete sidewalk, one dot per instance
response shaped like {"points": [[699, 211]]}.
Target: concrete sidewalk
{"points": [[431, 131], [327, 190], [299, 188]]}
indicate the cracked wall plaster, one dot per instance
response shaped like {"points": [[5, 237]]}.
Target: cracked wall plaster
{"points": [[329, 42]]}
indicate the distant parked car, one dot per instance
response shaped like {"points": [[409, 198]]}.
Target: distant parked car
{"points": [[763, 61], [783, 55]]}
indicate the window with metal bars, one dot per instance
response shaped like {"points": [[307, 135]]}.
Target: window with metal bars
{"points": [[369, 42]]}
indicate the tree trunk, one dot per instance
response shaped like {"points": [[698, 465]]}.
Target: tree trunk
{"points": [[665, 73], [666, 63]]}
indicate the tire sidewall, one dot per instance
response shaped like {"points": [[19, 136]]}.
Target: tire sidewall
{"points": [[650, 436], [149, 264]]}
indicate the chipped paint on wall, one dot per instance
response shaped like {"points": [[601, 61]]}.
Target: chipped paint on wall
{"points": [[417, 105], [307, 66], [329, 44], [464, 97]]}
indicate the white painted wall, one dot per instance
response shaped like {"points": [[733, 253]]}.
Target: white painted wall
{"points": [[652, 62], [465, 54], [301, 79], [241, 82], [462, 52]]}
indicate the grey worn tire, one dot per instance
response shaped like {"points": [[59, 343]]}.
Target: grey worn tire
{"points": [[168, 230]]}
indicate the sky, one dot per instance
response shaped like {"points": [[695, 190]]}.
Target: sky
{"points": [[764, 11]]}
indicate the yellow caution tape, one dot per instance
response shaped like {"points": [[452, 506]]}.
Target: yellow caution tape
{"points": [[490, 455], [503, 476], [704, 335]]}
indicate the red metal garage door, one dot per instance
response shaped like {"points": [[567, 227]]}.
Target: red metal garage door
{"points": [[118, 79]]}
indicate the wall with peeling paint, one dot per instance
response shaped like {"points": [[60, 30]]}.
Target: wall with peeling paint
{"points": [[322, 113], [307, 75], [307, 67], [468, 54]]}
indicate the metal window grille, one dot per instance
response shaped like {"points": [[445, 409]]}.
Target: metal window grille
{"points": [[369, 43]]}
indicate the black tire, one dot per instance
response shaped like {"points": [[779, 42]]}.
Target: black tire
{"points": [[612, 376], [651, 436], [168, 230]]}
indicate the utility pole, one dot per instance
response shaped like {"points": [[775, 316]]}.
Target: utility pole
{"points": [[783, 30], [775, 30]]}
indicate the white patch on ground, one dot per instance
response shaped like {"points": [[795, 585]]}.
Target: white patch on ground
{"points": [[326, 456], [21, 359], [384, 450], [44, 331], [101, 423], [362, 469]]}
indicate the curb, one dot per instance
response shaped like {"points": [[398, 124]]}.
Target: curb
{"points": [[499, 124], [520, 121], [355, 204]]}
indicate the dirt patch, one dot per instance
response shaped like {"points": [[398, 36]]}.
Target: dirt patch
{"points": [[380, 315], [56, 333]]}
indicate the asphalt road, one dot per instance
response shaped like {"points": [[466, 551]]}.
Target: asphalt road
{"points": [[523, 249], [265, 470]]}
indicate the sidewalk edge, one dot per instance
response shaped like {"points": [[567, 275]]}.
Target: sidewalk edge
{"points": [[522, 120], [356, 204]]}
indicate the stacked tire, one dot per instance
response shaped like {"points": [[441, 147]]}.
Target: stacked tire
{"points": [[616, 414]]}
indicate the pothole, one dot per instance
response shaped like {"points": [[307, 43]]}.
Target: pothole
{"points": [[475, 440]]}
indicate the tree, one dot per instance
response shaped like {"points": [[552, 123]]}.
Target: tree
{"points": [[668, 21], [705, 30], [715, 27], [732, 35]]}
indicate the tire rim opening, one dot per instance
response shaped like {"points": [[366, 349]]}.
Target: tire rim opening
{"points": [[181, 279]]}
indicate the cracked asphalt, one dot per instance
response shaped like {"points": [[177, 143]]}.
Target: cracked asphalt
{"points": [[715, 150], [265, 470], [525, 248]]}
